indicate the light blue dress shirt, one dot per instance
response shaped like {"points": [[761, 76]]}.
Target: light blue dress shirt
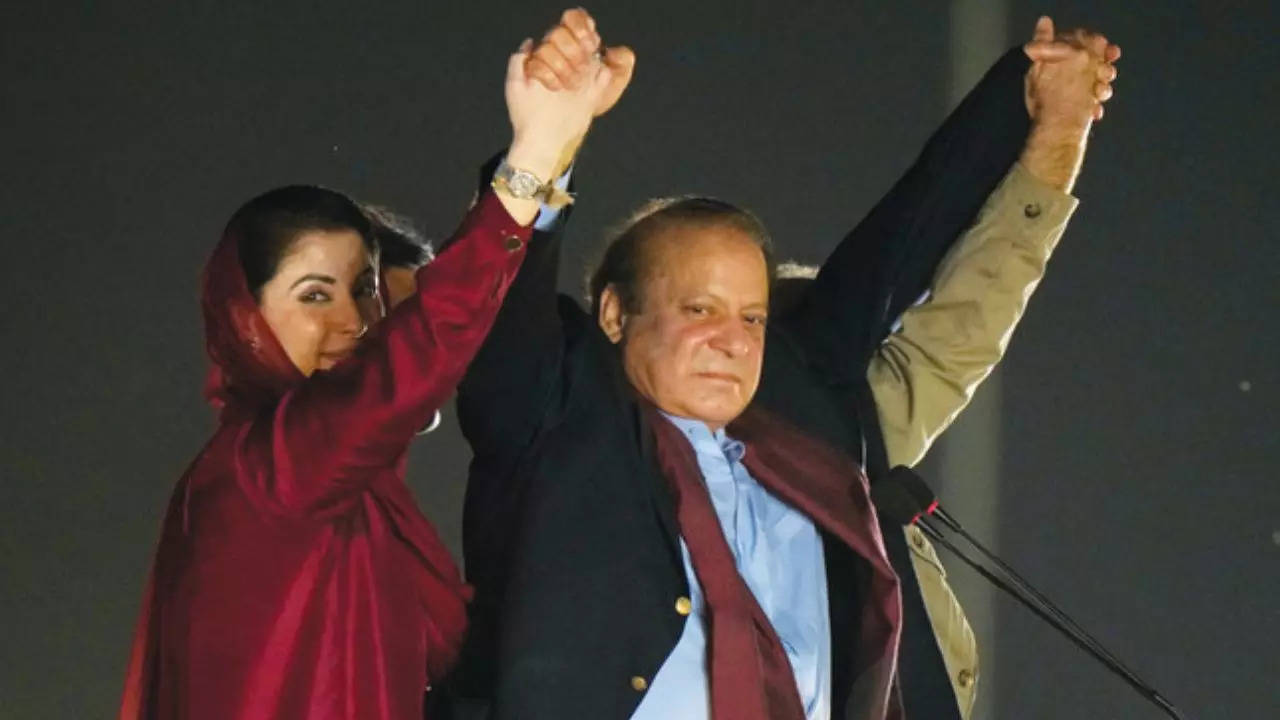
{"points": [[779, 554]]}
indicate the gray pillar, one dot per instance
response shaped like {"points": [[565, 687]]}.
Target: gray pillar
{"points": [[969, 452]]}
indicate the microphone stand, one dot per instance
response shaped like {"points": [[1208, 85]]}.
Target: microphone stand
{"points": [[1067, 627], [1026, 587]]}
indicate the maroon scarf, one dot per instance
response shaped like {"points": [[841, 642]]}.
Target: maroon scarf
{"points": [[247, 364], [751, 678]]}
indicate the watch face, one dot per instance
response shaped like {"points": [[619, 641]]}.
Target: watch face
{"points": [[523, 184]]}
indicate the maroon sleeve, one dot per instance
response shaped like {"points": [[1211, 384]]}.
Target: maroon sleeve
{"points": [[333, 433]]}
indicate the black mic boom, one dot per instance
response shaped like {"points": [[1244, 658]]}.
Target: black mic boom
{"points": [[916, 486], [904, 497]]}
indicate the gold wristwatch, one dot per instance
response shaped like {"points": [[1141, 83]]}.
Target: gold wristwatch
{"points": [[524, 185]]}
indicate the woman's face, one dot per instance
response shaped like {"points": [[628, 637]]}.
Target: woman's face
{"points": [[322, 298]]}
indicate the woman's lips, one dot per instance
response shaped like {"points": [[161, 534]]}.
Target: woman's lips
{"points": [[332, 357]]}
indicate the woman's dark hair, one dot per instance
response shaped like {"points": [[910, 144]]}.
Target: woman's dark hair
{"points": [[267, 226], [625, 262], [400, 244]]}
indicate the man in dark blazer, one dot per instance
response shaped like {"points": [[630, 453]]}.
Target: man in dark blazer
{"points": [[600, 592]]}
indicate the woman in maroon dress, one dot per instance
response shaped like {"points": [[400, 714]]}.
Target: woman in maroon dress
{"points": [[295, 576]]}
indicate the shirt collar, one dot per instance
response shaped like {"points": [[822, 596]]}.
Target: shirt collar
{"points": [[705, 441]]}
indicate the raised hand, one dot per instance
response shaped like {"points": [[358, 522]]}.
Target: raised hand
{"points": [[570, 48], [551, 115], [1069, 80], [1071, 72], [544, 121], [553, 92]]}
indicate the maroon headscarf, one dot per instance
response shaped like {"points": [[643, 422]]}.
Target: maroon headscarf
{"points": [[248, 364]]}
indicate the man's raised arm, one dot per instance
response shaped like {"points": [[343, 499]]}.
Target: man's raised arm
{"points": [[925, 372], [923, 375], [886, 263], [507, 386]]}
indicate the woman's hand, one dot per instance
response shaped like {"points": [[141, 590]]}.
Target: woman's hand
{"points": [[567, 48], [555, 90]]}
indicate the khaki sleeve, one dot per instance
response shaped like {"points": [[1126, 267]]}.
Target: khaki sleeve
{"points": [[950, 625], [926, 371]]}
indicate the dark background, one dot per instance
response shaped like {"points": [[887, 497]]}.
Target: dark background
{"points": [[1136, 482]]}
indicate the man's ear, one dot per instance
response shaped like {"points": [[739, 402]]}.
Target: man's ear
{"points": [[611, 318]]}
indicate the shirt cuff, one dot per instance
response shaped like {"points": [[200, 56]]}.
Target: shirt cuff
{"points": [[547, 216], [1039, 208]]}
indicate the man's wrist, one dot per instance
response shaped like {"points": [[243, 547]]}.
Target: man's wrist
{"points": [[1055, 151], [567, 155]]}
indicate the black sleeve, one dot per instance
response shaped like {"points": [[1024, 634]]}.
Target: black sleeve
{"points": [[504, 394], [886, 263]]}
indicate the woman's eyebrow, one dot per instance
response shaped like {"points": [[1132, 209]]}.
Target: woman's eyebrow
{"points": [[314, 276]]}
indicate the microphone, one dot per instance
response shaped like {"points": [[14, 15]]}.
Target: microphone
{"points": [[904, 497], [915, 485]]}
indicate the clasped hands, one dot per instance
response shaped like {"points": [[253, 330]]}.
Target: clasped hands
{"points": [[1070, 76], [554, 89]]}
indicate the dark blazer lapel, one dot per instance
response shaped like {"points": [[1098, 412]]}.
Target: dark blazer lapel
{"points": [[664, 505]]}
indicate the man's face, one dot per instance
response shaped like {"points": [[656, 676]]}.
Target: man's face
{"points": [[695, 346]]}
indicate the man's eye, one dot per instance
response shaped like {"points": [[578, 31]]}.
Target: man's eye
{"points": [[755, 319], [696, 309]]}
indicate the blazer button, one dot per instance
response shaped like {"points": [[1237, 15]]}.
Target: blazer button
{"points": [[965, 678], [1032, 210], [639, 684], [684, 606], [512, 243]]}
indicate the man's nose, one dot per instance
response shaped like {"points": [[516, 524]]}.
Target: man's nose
{"points": [[731, 338]]}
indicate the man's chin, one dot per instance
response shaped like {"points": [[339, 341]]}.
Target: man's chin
{"points": [[715, 414]]}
